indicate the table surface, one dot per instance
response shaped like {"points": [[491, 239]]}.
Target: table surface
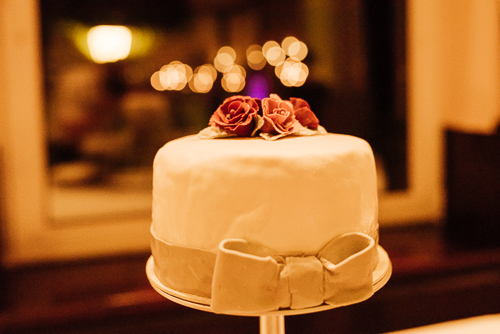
{"points": [[97, 290], [486, 324]]}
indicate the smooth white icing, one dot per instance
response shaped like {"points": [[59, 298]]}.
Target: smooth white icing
{"points": [[291, 195]]}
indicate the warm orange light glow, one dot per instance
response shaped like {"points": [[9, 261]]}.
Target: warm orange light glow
{"points": [[273, 53], [255, 58], [208, 69], [155, 81], [234, 79], [287, 42], [225, 58], [238, 70], [143, 40], [298, 50], [201, 82], [233, 82], [294, 48], [268, 45], [108, 44], [292, 72], [175, 75]]}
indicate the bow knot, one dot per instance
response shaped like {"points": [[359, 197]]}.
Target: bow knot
{"points": [[251, 278]]}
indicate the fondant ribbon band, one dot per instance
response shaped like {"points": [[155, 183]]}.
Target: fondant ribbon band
{"points": [[246, 277]]}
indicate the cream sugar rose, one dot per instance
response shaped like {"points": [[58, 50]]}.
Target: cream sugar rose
{"points": [[265, 183]]}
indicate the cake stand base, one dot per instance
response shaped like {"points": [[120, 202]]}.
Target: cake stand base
{"points": [[270, 322]]}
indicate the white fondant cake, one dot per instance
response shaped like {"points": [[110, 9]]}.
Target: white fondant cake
{"points": [[291, 195], [260, 222]]}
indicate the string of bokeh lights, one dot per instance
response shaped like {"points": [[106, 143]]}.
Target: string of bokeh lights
{"points": [[107, 43], [285, 57]]}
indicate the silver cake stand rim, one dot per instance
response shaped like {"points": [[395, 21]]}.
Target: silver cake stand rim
{"points": [[381, 276]]}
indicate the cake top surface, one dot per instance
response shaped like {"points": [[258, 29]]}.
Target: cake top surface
{"points": [[293, 147]]}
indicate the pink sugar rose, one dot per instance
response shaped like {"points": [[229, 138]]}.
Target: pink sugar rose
{"points": [[236, 115], [278, 116], [303, 113]]}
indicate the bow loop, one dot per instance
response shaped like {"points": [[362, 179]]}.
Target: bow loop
{"points": [[349, 261]]}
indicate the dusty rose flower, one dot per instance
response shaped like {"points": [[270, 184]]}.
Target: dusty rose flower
{"points": [[278, 116], [236, 115], [303, 113]]}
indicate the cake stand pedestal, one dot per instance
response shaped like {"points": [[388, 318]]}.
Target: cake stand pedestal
{"points": [[270, 322]]}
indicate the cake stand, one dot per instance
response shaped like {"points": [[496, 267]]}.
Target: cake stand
{"points": [[270, 322]]}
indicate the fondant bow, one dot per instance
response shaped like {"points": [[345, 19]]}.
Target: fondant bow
{"points": [[250, 278]]}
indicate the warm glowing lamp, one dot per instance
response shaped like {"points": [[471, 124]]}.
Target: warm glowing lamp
{"points": [[108, 44]]}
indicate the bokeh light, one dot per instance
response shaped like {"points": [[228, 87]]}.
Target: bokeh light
{"points": [[255, 58], [208, 69], [226, 56], [203, 78], [238, 70], [292, 72], [273, 52], [155, 81], [286, 58], [234, 79], [175, 75], [201, 82], [108, 44], [233, 82], [298, 50], [287, 42], [294, 48]]}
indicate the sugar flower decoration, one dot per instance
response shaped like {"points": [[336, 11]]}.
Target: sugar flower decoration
{"points": [[270, 118]]}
